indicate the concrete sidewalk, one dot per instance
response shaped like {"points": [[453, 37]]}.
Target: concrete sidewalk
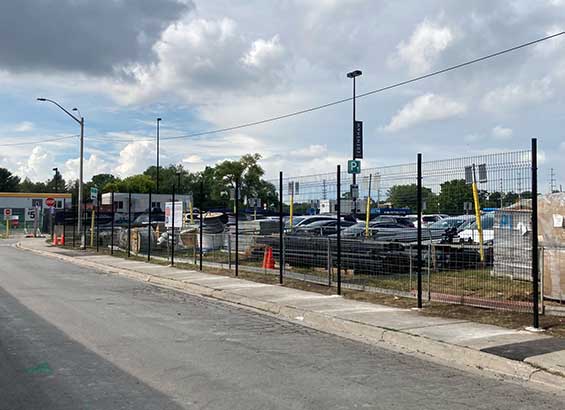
{"points": [[519, 354]]}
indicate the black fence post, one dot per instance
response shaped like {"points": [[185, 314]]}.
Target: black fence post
{"points": [[149, 230], [64, 220], [419, 227], [338, 211], [281, 229], [535, 240], [129, 223], [236, 226], [173, 230], [98, 199], [201, 212], [112, 225]]}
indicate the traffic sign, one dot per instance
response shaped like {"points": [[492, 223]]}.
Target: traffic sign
{"points": [[30, 214], [353, 166], [94, 193], [50, 202], [7, 213]]}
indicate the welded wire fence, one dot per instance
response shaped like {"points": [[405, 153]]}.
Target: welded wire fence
{"points": [[409, 230]]}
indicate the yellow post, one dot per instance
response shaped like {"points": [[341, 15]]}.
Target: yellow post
{"points": [[92, 228], [191, 213], [291, 208], [478, 216], [7, 227]]}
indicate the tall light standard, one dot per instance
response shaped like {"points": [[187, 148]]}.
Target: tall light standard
{"points": [[56, 178], [353, 75], [80, 121], [179, 173], [157, 184]]}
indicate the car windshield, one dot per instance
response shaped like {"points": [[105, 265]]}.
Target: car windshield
{"points": [[487, 222], [448, 223]]}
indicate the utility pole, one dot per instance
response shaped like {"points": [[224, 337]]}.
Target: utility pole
{"points": [[552, 186]]}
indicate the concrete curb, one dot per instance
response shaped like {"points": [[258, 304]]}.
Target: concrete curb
{"points": [[445, 353]]}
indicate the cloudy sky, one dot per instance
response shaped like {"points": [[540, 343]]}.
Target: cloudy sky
{"points": [[203, 65]]}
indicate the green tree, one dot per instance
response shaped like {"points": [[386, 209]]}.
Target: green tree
{"points": [[28, 186], [140, 183], [100, 181], [405, 196], [453, 195], [8, 181]]}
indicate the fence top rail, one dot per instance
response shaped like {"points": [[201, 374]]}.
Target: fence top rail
{"points": [[498, 160]]}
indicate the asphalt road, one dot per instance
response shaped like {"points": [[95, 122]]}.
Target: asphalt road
{"points": [[71, 338]]}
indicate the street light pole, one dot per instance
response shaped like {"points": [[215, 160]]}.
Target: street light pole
{"points": [[353, 75], [157, 184], [80, 121], [55, 180]]}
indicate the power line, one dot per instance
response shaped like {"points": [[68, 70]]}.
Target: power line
{"points": [[38, 142], [378, 90]]}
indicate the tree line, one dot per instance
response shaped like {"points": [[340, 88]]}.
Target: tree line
{"points": [[217, 182]]}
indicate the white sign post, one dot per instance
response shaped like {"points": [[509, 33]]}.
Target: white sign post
{"points": [[169, 214]]}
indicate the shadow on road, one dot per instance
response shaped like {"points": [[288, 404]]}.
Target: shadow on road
{"points": [[42, 368]]}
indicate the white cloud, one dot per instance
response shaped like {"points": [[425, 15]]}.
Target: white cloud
{"points": [[314, 150], [23, 126], [192, 159], [428, 107], [135, 157], [263, 52], [424, 47], [515, 95], [502, 133], [38, 166], [92, 165]]}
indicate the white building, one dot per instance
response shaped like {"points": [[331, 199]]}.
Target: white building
{"points": [[140, 202]]}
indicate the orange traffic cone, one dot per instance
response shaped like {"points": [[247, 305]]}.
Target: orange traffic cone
{"points": [[264, 265], [270, 260], [54, 239], [62, 239]]}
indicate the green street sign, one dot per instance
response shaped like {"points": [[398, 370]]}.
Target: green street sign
{"points": [[353, 166], [94, 193]]}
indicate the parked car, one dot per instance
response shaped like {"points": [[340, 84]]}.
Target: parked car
{"points": [[304, 220], [471, 233], [358, 230], [399, 220], [431, 218], [453, 222], [322, 228]]}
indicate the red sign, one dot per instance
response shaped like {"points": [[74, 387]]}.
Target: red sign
{"points": [[7, 212], [50, 202]]}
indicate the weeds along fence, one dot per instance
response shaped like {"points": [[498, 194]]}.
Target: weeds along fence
{"points": [[456, 231]]}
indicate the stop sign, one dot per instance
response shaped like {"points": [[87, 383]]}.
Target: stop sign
{"points": [[50, 202]]}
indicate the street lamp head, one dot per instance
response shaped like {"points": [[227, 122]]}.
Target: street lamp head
{"points": [[41, 99], [55, 169], [159, 119], [354, 74]]}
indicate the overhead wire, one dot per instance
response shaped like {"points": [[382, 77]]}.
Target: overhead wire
{"points": [[365, 94], [39, 141]]}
